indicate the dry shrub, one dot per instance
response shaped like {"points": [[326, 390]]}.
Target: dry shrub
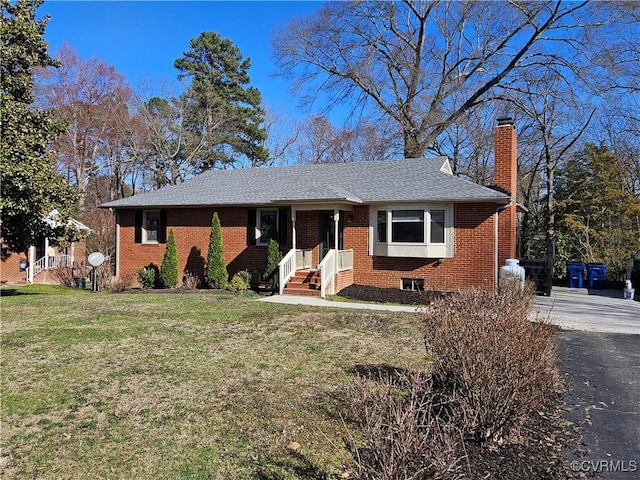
{"points": [[190, 281], [119, 284], [496, 366], [64, 276], [404, 430]]}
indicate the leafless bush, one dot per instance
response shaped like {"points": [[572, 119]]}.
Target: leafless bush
{"points": [[64, 276], [119, 284], [404, 431], [190, 281], [497, 367]]}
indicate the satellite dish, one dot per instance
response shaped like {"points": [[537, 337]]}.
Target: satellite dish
{"points": [[96, 259]]}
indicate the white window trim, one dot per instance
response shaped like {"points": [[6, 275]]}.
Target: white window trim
{"points": [[144, 226], [425, 249], [413, 282], [258, 214]]}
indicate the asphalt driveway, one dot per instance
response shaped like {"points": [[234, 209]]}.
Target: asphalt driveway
{"points": [[600, 349], [603, 372]]}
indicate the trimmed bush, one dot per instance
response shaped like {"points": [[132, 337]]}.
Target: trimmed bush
{"points": [[497, 366], [146, 277], [237, 284], [246, 276], [273, 259], [169, 271], [216, 271]]}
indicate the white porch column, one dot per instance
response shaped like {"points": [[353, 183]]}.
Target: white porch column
{"points": [[336, 237], [73, 253], [31, 259], [46, 253], [293, 227]]}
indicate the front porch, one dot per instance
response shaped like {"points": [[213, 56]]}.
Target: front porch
{"points": [[317, 264], [334, 272]]}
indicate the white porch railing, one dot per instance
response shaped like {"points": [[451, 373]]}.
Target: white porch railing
{"points": [[303, 258], [60, 261], [47, 262], [345, 260], [286, 269], [40, 265], [327, 270]]}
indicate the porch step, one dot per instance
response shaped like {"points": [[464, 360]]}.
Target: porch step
{"points": [[304, 282], [302, 292]]}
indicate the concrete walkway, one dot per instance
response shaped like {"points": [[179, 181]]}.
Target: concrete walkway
{"points": [[603, 311], [320, 302]]}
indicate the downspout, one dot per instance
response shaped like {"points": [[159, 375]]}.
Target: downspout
{"points": [[117, 272], [495, 243], [336, 223]]}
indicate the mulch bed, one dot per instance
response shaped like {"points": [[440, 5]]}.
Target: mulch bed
{"points": [[390, 295], [537, 455]]}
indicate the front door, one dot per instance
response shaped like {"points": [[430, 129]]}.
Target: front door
{"points": [[328, 232]]}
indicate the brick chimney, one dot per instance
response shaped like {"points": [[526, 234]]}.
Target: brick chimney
{"points": [[505, 176]]}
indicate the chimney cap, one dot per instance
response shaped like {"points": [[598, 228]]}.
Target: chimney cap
{"points": [[506, 120]]}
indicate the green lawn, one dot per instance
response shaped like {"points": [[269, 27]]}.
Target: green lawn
{"points": [[147, 385]]}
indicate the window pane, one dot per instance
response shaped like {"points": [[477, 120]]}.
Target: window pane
{"points": [[268, 225], [407, 215], [437, 226], [151, 226], [415, 284], [382, 226], [407, 226]]}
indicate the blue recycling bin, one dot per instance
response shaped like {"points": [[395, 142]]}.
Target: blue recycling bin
{"points": [[595, 275], [574, 274]]}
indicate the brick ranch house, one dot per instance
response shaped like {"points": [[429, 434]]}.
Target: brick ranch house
{"points": [[407, 224], [38, 263]]}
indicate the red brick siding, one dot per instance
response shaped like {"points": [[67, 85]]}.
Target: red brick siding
{"points": [[505, 176], [505, 164], [10, 268], [344, 279], [192, 227], [472, 264]]}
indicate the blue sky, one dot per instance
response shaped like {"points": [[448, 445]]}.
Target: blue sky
{"points": [[142, 39]]}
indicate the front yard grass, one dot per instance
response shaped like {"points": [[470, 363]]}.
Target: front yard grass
{"points": [[198, 386]]}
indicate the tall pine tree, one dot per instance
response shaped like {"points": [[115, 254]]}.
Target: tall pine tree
{"points": [[222, 108], [599, 217], [30, 185]]}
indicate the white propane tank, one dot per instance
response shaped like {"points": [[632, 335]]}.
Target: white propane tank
{"points": [[629, 292], [512, 268]]}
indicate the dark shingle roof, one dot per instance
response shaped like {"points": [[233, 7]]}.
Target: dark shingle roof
{"points": [[407, 180]]}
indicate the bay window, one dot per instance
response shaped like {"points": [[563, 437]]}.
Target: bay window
{"points": [[407, 226], [423, 231]]}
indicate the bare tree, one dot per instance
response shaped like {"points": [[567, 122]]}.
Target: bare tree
{"points": [[556, 117], [320, 141], [172, 149], [93, 99], [424, 63]]}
